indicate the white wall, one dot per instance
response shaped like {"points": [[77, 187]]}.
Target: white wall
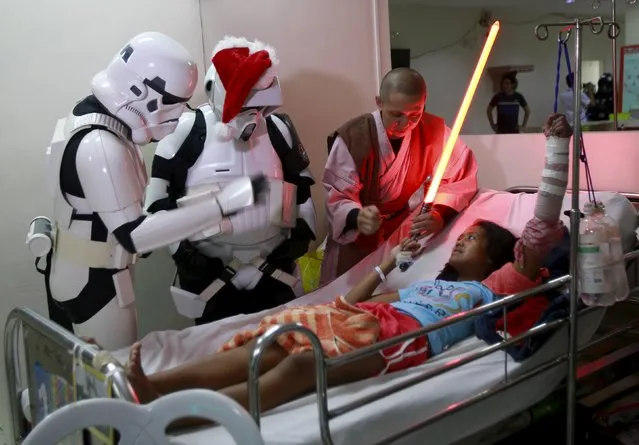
{"points": [[517, 159], [447, 65], [631, 29], [51, 49]]}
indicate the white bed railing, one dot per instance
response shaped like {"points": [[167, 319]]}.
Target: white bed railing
{"points": [[66, 345], [147, 424], [322, 364]]}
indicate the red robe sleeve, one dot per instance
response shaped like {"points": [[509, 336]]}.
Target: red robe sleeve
{"points": [[459, 183]]}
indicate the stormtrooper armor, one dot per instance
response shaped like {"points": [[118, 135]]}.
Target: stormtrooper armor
{"points": [[247, 262], [98, 178]]}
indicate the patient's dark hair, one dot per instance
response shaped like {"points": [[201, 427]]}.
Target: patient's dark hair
{"points": [[500, 248]]}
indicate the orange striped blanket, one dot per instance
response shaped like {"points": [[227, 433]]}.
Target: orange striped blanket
{"points": [[340, 326]]}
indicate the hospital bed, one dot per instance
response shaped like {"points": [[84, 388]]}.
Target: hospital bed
{"points": [[453, 396]]}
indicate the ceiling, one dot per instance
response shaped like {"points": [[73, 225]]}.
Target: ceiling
{"points": [[579, 7]]}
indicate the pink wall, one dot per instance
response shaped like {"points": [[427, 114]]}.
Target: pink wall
{"points": [[512, 160], [332, 54]]}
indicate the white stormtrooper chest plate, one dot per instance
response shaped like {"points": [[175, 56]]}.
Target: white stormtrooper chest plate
{"points": [[251, 232], [223, 161]]}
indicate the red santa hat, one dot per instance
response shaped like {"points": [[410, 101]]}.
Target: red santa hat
{"points": [[242, 66]]}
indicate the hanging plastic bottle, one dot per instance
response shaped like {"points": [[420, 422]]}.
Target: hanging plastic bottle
{"points": [[622, 290], [602, 273]]}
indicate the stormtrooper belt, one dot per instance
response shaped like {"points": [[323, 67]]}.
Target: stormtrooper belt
{"points": [[229, 272], [88, 253]]}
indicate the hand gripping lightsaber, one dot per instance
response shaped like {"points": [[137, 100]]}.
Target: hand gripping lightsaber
{"points": [[405, 261]]}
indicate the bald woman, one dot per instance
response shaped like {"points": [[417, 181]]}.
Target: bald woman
{"points": [[378, 169]]}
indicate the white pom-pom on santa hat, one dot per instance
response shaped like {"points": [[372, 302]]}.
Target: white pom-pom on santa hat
{"points": [[223, 132], [254, 46]]}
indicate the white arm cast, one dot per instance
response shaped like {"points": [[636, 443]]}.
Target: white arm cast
{"points": [[111, 183], [167, 148], [306, 210]]}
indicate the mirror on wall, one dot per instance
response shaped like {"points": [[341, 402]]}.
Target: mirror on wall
{"points": [[443, 44]]}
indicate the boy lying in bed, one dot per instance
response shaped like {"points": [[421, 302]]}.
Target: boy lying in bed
{"points": [[486, 263]]}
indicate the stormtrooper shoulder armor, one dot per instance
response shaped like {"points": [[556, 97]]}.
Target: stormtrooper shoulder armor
{"points": [[174, 155], [169, 146], [110, 170], [288, 145], [283, 128]]}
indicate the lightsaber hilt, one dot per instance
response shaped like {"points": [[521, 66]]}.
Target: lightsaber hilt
{"points": [[426, 208], [405, 260]]}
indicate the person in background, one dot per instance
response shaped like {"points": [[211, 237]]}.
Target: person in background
{"points": [[507, 102], [378, 169], [566, 98]]}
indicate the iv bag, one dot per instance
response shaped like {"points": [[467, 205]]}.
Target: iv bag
{"points": [[602, 273]]}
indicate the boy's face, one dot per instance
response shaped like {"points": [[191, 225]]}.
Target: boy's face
{"points": [[507, 86]]}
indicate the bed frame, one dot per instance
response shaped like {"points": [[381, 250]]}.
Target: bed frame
{"points": [[60, 353]]}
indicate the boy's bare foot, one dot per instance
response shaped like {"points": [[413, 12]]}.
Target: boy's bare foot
{"points": [[143, 388]]}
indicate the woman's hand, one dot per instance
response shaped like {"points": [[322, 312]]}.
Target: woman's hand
{"points": [[425, 224]]}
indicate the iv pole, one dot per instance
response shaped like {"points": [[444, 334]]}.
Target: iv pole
{"points": [[596, 25]]}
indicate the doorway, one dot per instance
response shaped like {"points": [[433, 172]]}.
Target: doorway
{"points": [[591, 71]]}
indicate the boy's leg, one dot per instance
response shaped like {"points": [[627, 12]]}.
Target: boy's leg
{"points": [[216, 372], [295, 376]]}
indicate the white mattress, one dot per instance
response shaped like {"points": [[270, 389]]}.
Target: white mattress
{"points": [[297, 422]]}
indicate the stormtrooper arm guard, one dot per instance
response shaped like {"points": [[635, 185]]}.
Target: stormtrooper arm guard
{"points": [[109, 181], [295, 165], [161, 193]]}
